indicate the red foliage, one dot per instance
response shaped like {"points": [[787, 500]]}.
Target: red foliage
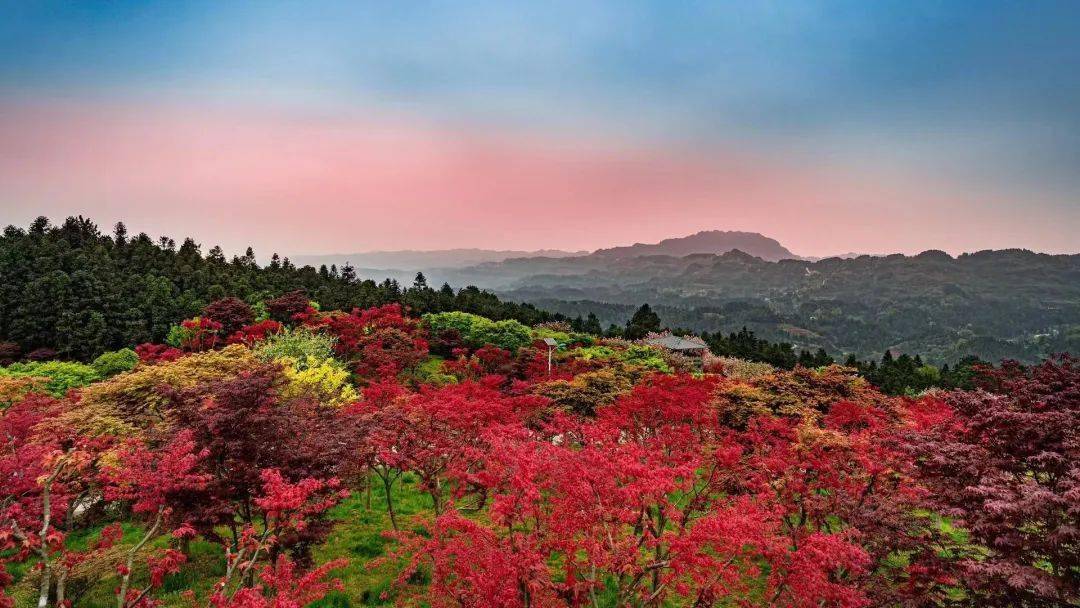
{"points": [[643, 497], [288, 509], [283, 586], [381, 342], [200, 334], [244, 428], [287, 307], [248, 335], [230, 313], [151, 354], [152, 479], [1006, 467], [44, 467]]}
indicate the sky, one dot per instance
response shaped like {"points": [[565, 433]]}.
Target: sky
{"points": [[334, 127]]}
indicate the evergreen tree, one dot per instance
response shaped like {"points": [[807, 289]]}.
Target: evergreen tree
{"points": [[642, 323]]}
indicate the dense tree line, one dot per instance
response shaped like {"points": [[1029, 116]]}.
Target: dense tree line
{"points": [[72, 291], [894, 375]]}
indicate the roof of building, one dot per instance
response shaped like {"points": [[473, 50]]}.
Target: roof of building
{"points": [[675, 343]]}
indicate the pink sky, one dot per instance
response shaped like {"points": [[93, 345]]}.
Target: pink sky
{"points": [[301, 183]]}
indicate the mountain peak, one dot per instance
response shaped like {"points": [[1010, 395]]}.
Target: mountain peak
{"points": [[715, 242]]}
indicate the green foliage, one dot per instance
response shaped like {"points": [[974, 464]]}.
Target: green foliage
{"points": [[644, 322], [62, 375], [563, 337], [431, 372], [476, 331], [178, 335], [639, 355], [590, 353], [115, 362], [646, 356], [300, 345], [507, 334], [80, 292], [324, 380]]}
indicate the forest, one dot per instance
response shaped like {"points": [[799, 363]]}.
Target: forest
{"points": [[990, 304], [186, 430]]}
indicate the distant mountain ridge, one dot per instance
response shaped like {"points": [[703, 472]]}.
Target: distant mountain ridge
{"points": [[714, 242], [407, 259]]}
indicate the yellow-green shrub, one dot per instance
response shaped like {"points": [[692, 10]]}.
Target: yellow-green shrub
{"points": [[325, 381]]}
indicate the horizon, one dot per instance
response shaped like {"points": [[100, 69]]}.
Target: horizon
{"points": [[263, 257], [896, 128]]}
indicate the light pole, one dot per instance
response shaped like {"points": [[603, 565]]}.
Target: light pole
{"points": [[551, 346]]}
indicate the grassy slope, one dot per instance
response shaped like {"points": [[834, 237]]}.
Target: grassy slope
{"points": [[357, 536]]}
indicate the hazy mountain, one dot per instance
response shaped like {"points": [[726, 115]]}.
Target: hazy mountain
{"points": [[1008, 303], [419, 260], [708, 241]]}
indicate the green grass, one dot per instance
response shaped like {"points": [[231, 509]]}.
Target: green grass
{"points": [[357, 536]]}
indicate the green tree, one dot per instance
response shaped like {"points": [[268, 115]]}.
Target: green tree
{"points": [[642, 323]]}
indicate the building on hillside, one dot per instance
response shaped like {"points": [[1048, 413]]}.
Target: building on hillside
{"points": [[679, 345]]}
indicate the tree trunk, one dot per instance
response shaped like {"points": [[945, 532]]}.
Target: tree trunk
{"points": [[46, 581], [389, 500], [125, 581], [61, 586]]}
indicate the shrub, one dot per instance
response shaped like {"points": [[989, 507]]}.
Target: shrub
{"points": [[477, 331], [325, 381], [231, 313], [298, 344], [61, 376], [9, 352], [741, 369], [115, 362], [562, 337], [156, 353], [194, 335], [284, 309], [587, 391], [646, 356], [123, 404]]}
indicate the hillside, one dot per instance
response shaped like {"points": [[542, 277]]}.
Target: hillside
{"points": [[72, 291], [410, 260], [273, 454], [709, 241], [993, 304]]}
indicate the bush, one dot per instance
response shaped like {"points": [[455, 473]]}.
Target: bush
{"points": [[507, 335], [587, 391], [123, 404], [62, 376], [477, 331], [325, 381], [300, 344], [283, 308], [646, 356], [231, 313], [115, 362], [565, 338]]}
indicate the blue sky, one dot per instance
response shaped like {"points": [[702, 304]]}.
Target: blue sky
{"points": [[977, 98]]}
